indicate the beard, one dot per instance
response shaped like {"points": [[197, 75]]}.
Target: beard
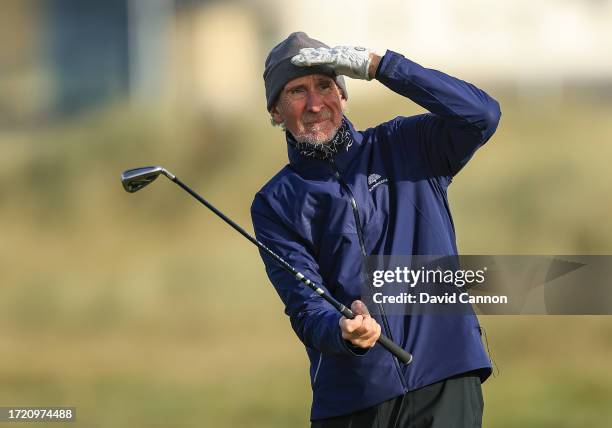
{"points": [[322, 147], [315, 136]]}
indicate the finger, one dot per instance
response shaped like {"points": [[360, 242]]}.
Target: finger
{"points": [[299, 60], [370, 334], [312, 56], [361, 331], [367, 341], [307, 61], [376, 331], [370, 327], [364, 342], [367, 329], [358, 307], [304, 57], [350, 326]]}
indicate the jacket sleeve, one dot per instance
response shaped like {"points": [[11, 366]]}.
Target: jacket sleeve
{"points": [[313, 319], [462, 117]]}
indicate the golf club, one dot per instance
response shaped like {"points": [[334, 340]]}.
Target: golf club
{"points": [[137, 178]]}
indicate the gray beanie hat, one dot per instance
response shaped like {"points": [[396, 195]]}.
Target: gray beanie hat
{"points": [[279, 69]]}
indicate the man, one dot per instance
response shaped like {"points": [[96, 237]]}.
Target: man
{"points": [[348, 194]]}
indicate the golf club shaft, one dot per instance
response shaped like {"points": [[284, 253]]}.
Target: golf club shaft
{"points": [[384, 341]]}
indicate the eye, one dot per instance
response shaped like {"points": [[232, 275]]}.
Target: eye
{"points": [[298, 90], [325, 87]]}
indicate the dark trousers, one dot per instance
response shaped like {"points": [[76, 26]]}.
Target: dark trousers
{"points": [[452, 403]]}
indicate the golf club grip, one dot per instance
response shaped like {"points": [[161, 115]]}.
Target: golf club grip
{"points": [[401, 354]]}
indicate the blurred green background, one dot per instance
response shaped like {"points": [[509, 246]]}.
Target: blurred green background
{"points": [[145, 310]]}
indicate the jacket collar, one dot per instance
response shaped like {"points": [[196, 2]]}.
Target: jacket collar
{"points": [[318, 167]]}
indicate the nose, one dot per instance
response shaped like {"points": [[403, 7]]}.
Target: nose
{"points": [[314, 101]]}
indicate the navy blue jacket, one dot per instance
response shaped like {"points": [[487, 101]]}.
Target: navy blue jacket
{"points": [[305, 214]]}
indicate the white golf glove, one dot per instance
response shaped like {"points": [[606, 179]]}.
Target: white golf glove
{"points": [[351, 61]]}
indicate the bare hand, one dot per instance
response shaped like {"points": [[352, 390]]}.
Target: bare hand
{"points": [[363, 330]]}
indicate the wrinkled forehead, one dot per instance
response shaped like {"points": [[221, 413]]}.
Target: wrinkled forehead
{"points": [[304, 80]]}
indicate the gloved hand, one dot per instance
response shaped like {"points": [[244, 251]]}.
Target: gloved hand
{"points": [[351, 61]]}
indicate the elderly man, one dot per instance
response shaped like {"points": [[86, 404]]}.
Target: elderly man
{"points": [[349, 194]]}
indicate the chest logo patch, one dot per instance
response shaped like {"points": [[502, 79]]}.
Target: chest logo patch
{"points": [[375, 180]]}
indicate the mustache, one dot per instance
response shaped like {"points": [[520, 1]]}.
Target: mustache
{"points": [[322, 115]]}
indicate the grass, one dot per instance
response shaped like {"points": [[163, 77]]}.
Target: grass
{"points": [[145, 310]]}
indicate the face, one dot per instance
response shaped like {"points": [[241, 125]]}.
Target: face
{"points": [[311, 108]]}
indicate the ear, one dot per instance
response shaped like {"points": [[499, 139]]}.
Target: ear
{"points": [[343, 102], [276, 115], [342, 97]]}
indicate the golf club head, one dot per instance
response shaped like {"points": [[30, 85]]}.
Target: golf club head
{"points": [[135, 179]]}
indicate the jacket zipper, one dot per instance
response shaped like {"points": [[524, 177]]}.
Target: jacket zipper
{"points": [[314, 380], [364, 254]]}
